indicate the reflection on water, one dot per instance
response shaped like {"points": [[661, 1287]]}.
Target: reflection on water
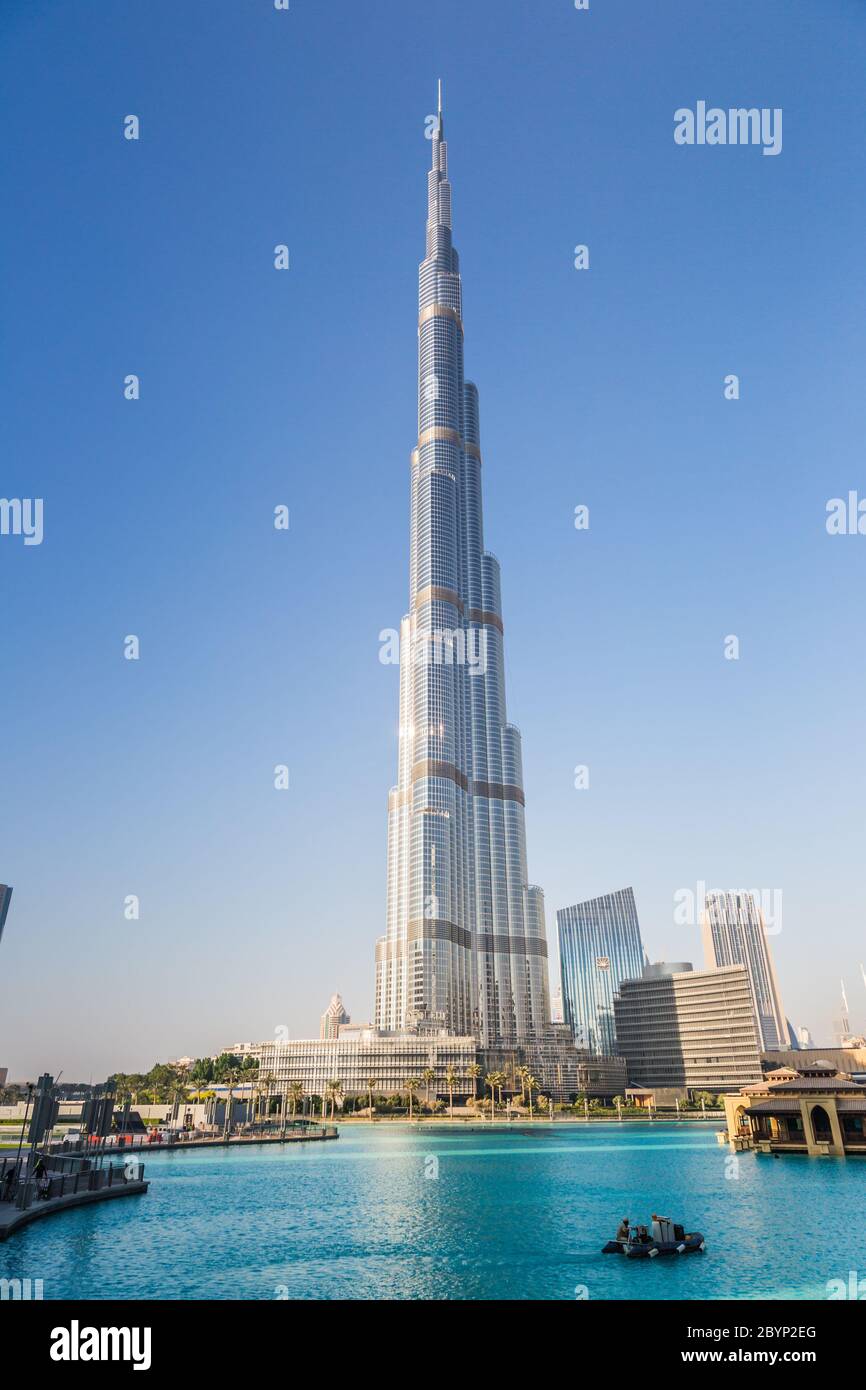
{"points": [[393, 1212]]}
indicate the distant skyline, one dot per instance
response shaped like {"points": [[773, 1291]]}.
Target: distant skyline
{"points": [[602, 388]]}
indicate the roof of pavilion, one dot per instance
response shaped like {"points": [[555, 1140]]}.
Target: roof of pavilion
{"points": [[817, 1085], [788, 1105]]}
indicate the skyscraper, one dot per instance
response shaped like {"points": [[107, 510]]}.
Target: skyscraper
{"points": [[5, 899], [464, 946], [599, 947], [734, 934], [333, 1019]]}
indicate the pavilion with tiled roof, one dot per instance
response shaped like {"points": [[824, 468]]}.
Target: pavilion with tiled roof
{"points": [[817, 1110]]}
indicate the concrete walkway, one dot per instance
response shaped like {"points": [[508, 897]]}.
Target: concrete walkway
{"points": [[295, 1137]]}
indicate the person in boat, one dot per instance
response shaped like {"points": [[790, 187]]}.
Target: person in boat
{"points": [[622, 1233]]}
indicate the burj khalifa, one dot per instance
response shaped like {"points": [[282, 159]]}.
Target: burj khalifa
{"points": [[464, 948]]}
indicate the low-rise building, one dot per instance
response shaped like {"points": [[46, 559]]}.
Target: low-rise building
{"points": [[387, 1060], [363, 1055]]}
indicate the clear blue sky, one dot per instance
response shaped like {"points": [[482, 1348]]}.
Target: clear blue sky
{"points": [[257, 388]]}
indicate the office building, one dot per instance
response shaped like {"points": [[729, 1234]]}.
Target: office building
{"points": [[734, 933], [599, 947], [5, 899], [693, 1030]]}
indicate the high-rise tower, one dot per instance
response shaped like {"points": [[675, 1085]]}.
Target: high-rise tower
{"points": [[333, 1019], [5, 899], [464, 946], [735, 934], [599, 947]]}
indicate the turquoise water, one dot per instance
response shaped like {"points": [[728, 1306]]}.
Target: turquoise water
{"points": [[517, 1215]]}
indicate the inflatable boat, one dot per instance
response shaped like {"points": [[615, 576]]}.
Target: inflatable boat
{"points": [[665, 1237]]}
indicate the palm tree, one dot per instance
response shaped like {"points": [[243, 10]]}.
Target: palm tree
{"points": [[451, 1079], [411, 1087], [249, 1071], [224, 1063], [531, 1085], [428, 1076], [543, 1102], [268, 1081], [333, 1090], [521, 1074], [231, 1076], [491, 1081], [371, 1081], [473, 1072], [296, 1095], [202, 1072]]}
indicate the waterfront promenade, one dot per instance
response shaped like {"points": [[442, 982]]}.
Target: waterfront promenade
{"points": [[61, 1183], [142, 1143], [80, 1179]]}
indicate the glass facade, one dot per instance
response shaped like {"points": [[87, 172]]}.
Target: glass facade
{"points": [[5, 899], [734, 934], [599, 947], [464, 945]]}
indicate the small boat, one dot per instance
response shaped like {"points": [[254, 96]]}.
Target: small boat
{"points": [[665, 1237]]}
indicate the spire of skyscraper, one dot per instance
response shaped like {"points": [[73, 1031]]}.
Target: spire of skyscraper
{"points": [[465, 944]]}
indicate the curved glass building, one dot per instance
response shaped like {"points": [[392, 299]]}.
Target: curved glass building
{"points": [[599, 947], [464, 947]]}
